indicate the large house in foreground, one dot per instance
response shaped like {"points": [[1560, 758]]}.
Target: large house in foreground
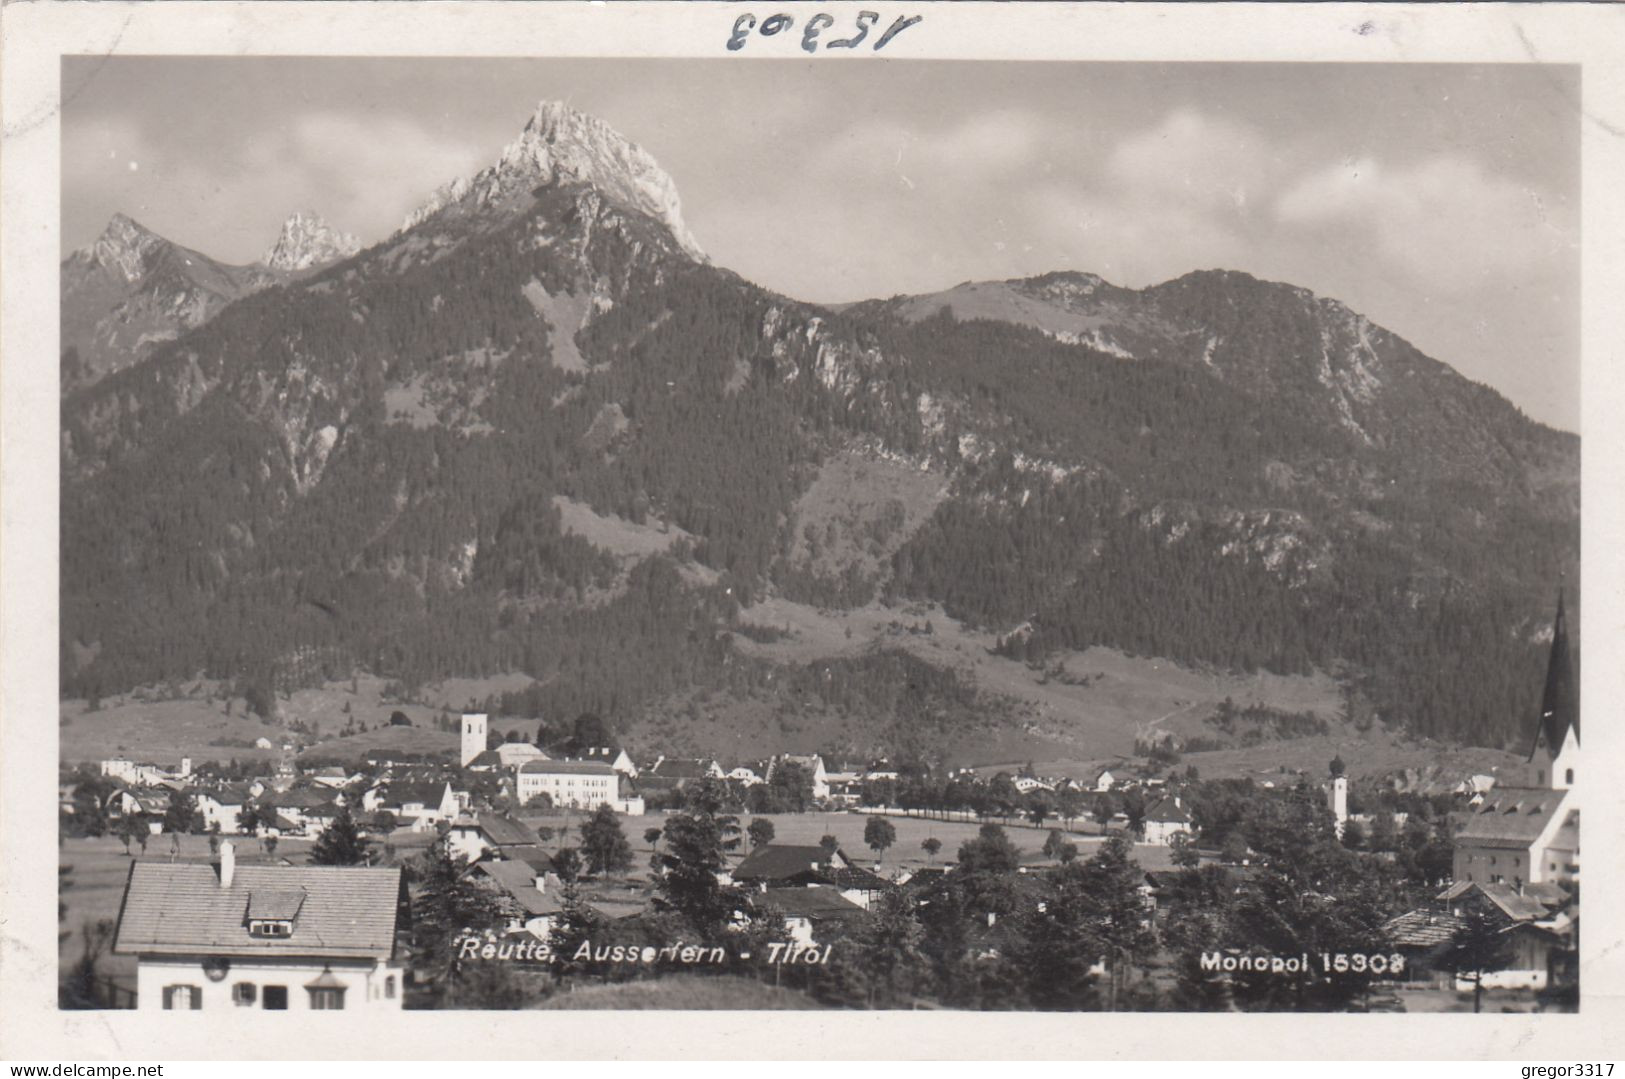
{"points": [[276, 937]]}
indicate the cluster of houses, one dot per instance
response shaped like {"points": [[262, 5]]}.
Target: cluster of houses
{"points": [[281, 936]]}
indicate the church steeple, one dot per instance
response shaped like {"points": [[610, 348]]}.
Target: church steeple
{"points": [[1557, 734]]}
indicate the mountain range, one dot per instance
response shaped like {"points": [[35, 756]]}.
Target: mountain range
{"points": [[536, 430], [133, 290]]}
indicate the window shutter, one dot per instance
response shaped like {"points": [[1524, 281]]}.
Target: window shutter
{"points": [[169, 997], [197, 998]]}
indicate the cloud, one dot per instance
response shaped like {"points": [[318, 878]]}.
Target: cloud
{"points": [[1444, 221], [1216, 163]]}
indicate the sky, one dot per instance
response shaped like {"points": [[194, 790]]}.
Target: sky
{"points": [[1442, 201]]}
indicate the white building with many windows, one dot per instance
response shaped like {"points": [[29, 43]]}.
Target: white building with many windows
{"points": [[581, 784]]}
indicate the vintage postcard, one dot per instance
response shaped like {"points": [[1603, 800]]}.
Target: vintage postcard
{"points": [[1050, 523]]}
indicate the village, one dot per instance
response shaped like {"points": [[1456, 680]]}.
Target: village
{"points": [[513, 876]]}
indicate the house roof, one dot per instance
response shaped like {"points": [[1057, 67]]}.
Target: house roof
{"points": [[518, 881], [779, 861], [1169, 810], [505, 831], [1516, 906], [1511, 817], [577, 768], [486, 758], [856, 877], [181, 909], [1422, 929], [814, 903], [682, 768], [423, 792]]}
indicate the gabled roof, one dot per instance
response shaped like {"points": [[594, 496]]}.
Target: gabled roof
{"points": [[779, 862], [814, 903], [486, 758], [303, 798], [682, 768], [518, 881], [554, 768], [423, 792], [181, 909], [1422, 929], [1168, 810], [1511, 817], [505, 831], [855, 877], [1514, 905]]}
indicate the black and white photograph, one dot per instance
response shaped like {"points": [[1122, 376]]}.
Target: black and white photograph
{"points": [[749, 531]]}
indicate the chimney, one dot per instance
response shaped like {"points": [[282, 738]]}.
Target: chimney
{"points": [[228, 864]]}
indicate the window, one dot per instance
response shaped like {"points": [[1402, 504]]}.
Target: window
{"points": [[1568, 776], [244, 994], [183, 997], [389, 983], [276, 998], [326, 999], [270, 928]]}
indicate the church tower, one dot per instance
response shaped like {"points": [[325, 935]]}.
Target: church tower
{"points": [[473, 736], [1337, 794], [1556, 750]]}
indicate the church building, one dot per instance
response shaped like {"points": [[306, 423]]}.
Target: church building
{"points": [[1528, 832]]}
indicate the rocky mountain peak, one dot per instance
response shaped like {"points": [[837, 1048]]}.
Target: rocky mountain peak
{"points": [[123, 247], [306, 240], [560, 144]]}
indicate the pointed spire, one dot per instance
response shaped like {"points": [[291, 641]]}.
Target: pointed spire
{"points": [[1559, 703]]}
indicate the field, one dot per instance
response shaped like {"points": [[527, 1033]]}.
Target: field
{"points": [[1086, 705], [202, 721]]}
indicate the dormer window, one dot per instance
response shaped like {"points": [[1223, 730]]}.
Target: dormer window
{"points": [[270, 927], [271, 914]]}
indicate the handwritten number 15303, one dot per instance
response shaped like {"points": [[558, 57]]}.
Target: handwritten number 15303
{"points": [[810, 34]]}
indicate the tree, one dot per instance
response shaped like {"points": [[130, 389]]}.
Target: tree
{"points": [[1480, 946], [1234, 849], [1105, 808], [1098, 913], [1053, 843], [893, 962], [446, 905], [830, 845], [567, 864], [270, 842], [1184, 851], [990, 852], [760, 832], [384, 822], [81, 988], [131, 827], [604, 843], [791, 786], [182, 815], [399, 718], [878, 834], [931, 845], [90, 796], [1353, 835], [697, 843], [651, 836], [340, 843]]}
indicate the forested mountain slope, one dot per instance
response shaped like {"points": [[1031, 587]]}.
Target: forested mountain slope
{"points": [[369, 466]]}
